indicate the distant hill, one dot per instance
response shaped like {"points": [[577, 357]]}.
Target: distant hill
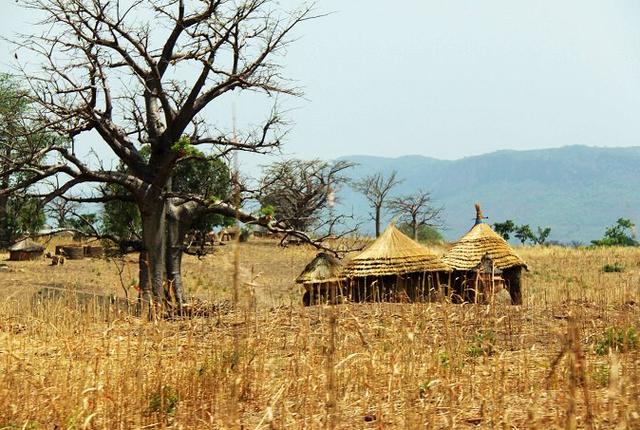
{"points": [[576, 190]]}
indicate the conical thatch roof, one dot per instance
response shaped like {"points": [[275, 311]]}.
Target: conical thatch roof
{"points": [[323, 268], [481, 240], [393, 253], [27, 245]]}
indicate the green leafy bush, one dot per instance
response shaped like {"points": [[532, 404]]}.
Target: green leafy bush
{"points": [[482, 344], [613, 268], [164, 401], [616, 339]]}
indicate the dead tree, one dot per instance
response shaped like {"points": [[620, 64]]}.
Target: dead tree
{"points": [[110, 67], [416, 210], [376, 189]]}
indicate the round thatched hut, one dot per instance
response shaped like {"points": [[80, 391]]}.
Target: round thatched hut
{"points": [[322, 279], [395, 268], [25, 249], [483, 260]]}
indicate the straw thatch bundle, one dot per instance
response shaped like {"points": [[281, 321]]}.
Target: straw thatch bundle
{"points": [[393, 253], [481, 240], [323, 268]]}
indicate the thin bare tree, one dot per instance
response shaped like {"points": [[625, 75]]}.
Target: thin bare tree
{"points": [[376, 189], [143, 73], [416, 210]]}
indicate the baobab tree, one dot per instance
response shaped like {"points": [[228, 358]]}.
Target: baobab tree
{"points": [[142, 73]]}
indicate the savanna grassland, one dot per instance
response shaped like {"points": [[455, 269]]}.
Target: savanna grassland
{"points": [[567, 358]]}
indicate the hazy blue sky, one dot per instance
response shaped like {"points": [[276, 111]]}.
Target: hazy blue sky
{"points": [[454, 78]]}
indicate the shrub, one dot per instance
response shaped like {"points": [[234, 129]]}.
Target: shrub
{"points": [[617, 339], [482, 344], [164, 401], [613, 268]]}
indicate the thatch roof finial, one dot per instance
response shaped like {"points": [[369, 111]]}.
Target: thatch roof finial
{"points": [[479, 216]]}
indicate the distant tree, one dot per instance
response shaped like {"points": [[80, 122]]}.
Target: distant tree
{"points": [[120, 216], [523, 233], [426, 233], [376, 189], [416, 210], [541, 237], [24, 217], [620, 234], [61, 211], [20, 143], [302, 192], [210, 179], [505, 229]]}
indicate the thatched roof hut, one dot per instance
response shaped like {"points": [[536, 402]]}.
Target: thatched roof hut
{"points": [[322, 269], [481, 240], [322, 279], [469, 256], [25, 249], [394, 253], [395, 268]]}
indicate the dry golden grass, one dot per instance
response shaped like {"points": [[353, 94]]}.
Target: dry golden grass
{"points": [[274, 364]]}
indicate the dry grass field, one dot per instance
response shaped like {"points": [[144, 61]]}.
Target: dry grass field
{"points": [[567, 358]]}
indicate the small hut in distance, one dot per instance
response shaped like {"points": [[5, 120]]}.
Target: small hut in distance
{"points": [[25, 249], [481, 261], [395, 268], [322, 279]]}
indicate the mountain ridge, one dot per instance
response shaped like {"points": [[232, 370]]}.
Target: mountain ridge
{"points": [[576, 190]]}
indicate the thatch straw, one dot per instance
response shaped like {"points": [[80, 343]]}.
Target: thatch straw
{"points": [[26, 245], [480, 241], [393, 253], [323, 268]]}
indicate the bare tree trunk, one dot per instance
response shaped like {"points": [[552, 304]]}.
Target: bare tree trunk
{"points": [[154, 240], [378, 209], [178, 223]]}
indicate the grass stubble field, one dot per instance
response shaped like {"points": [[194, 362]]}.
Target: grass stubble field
{"points": [[567, 358]]}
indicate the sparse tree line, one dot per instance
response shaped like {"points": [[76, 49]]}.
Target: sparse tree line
{"points": [[523, 232]]}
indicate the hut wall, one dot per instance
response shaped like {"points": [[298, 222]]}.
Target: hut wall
{"points": [[93, 251], [412, 287], [24, 255], [463, 281], [324, 292], [459, 293], [73, 252], [468, 287], [513, 279]]}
